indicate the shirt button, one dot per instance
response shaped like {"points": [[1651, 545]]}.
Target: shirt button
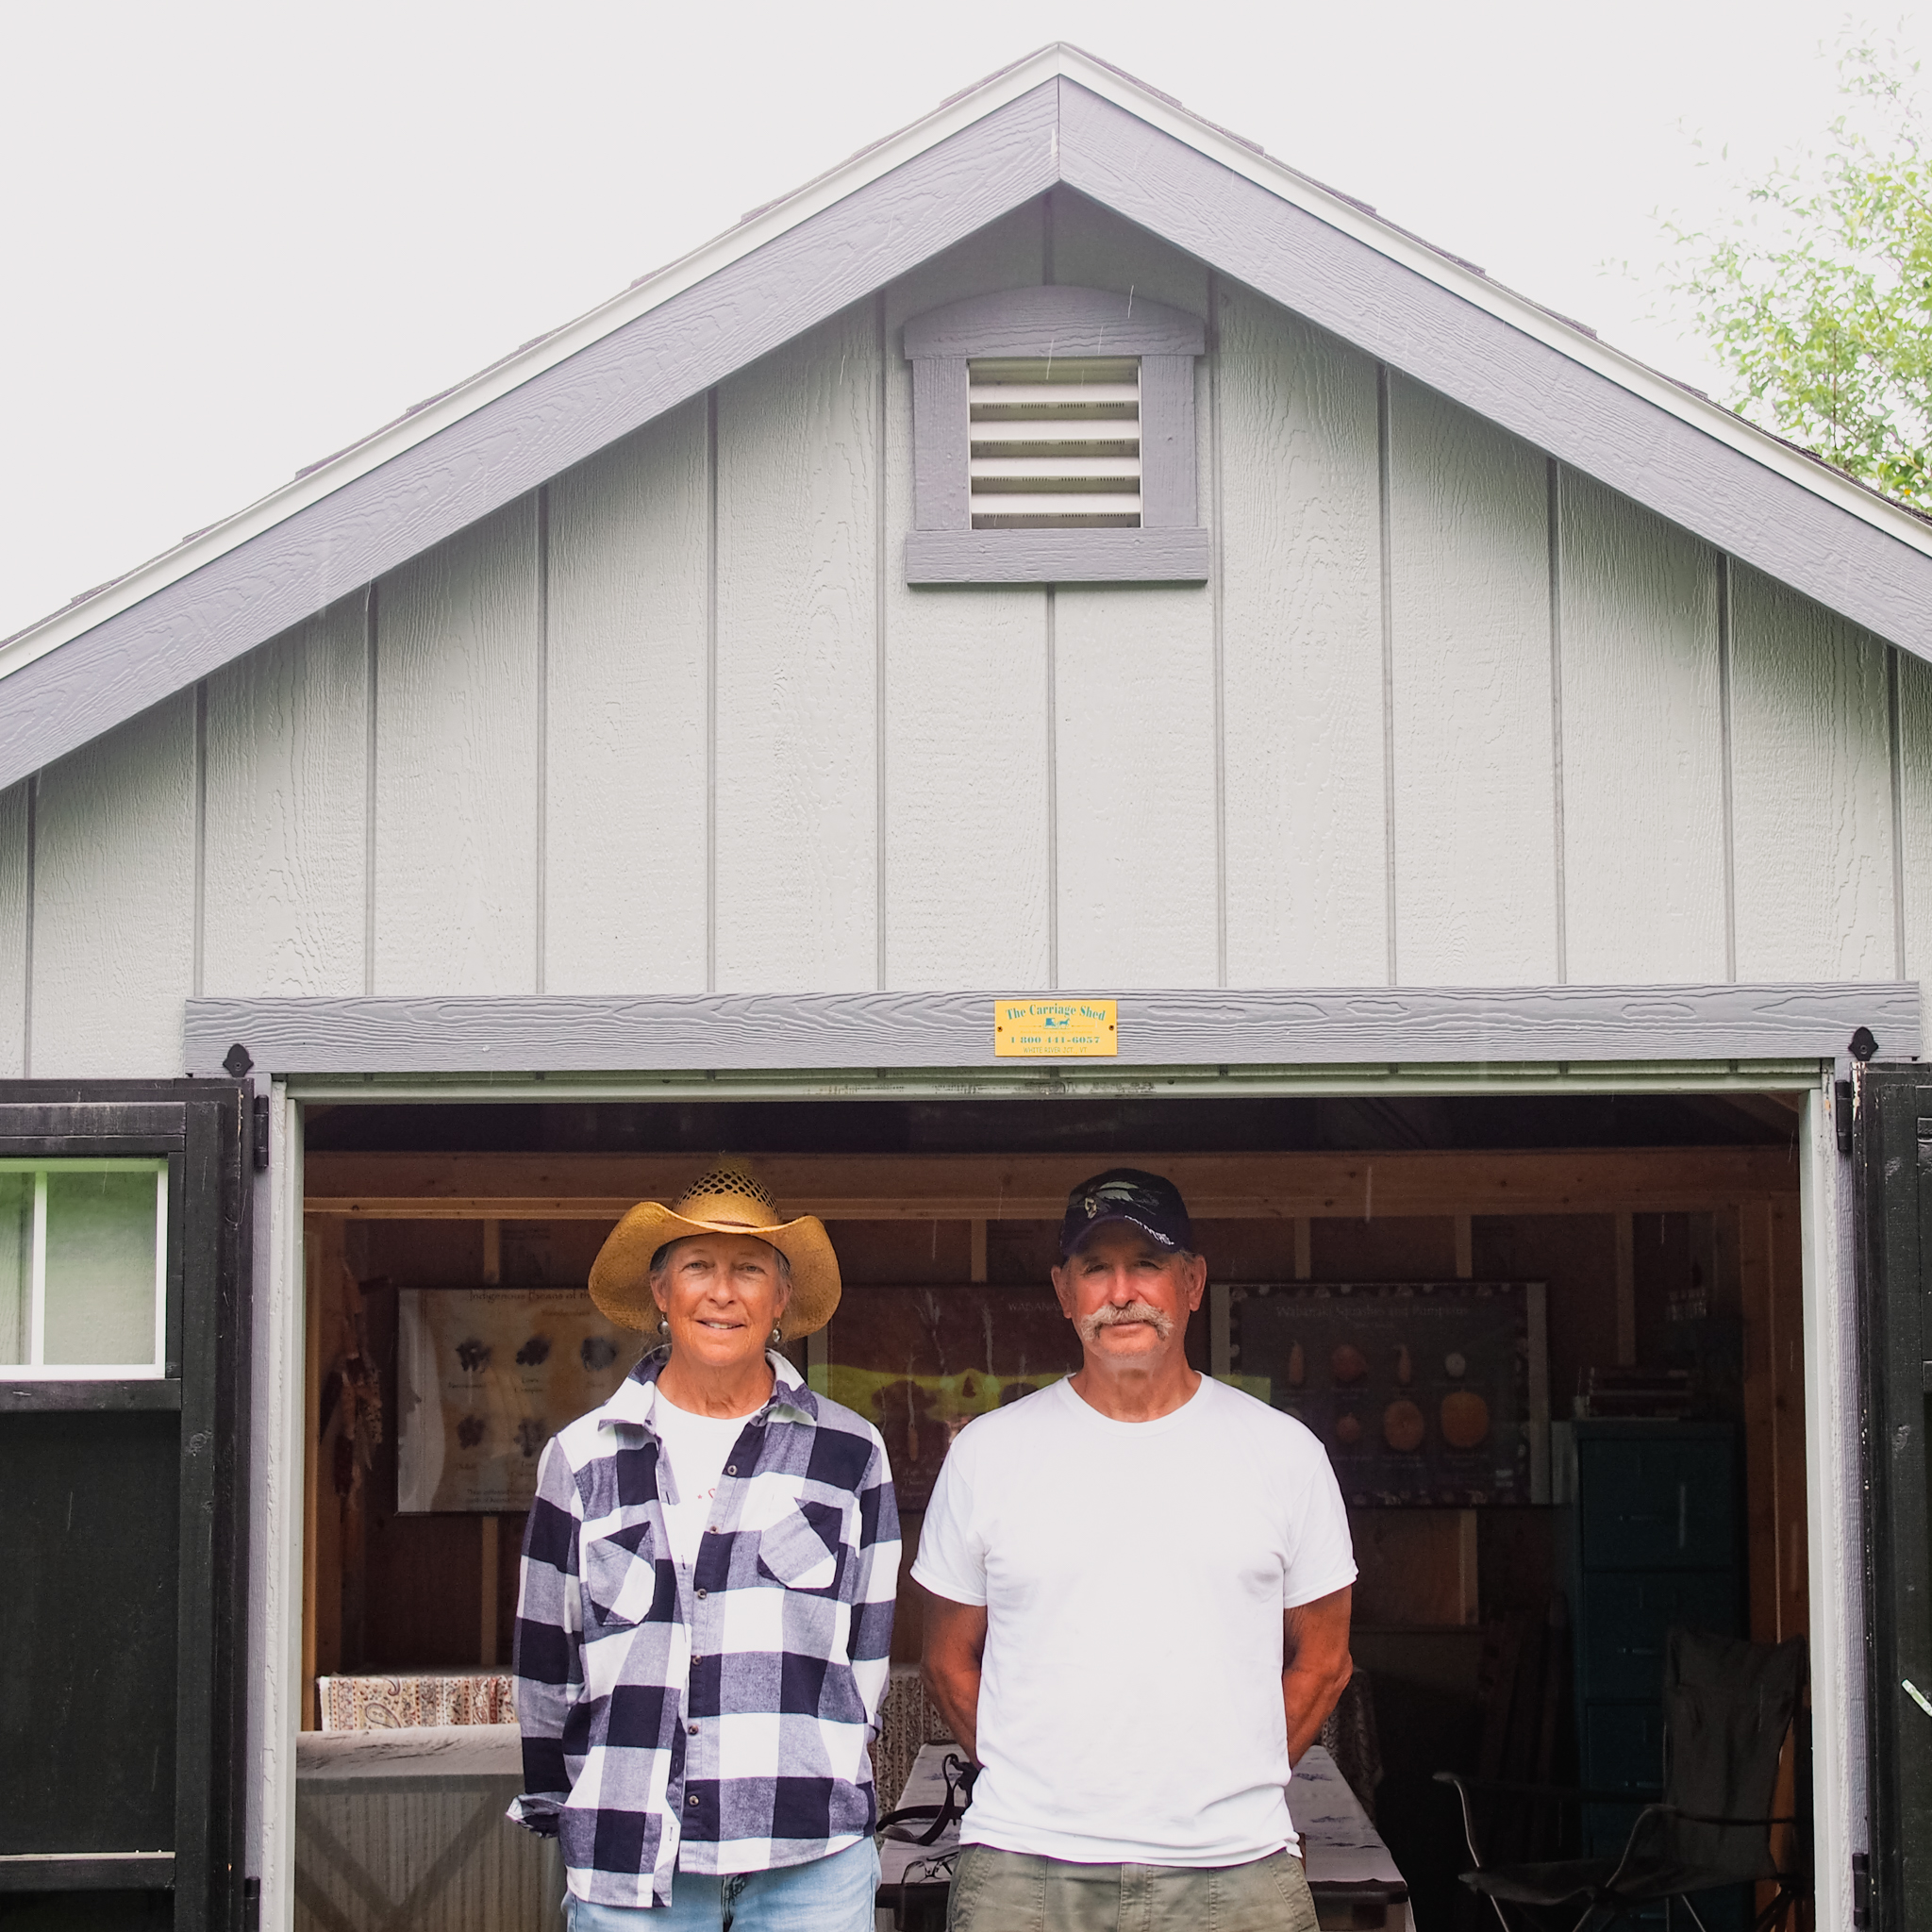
{"points": [[698, 1592], [692, 1799], [731, 1469], [692, 1729]]}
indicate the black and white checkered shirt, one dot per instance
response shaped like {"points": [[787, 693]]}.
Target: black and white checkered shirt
{"points": [[715, 1717]]}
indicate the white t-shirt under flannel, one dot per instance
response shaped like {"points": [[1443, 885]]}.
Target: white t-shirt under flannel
{"points": [[714, 1716], [1134, 1577]]}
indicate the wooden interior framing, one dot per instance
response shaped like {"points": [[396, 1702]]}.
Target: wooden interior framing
{"points": [[1750, 1192]]}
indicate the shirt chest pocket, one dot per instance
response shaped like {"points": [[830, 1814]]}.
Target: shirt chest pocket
{"points": [[620, 1578], [802, 1549]]}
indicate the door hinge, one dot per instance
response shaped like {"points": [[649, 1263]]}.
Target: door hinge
{"points": [[261, 1113], [1842, 1113], [251, 1905], [1861, 1890]]}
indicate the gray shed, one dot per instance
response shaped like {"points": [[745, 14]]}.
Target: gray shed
{"points": [[1469, 797]]}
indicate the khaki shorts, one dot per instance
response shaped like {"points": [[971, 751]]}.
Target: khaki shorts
{"points": [[1010, 1892]]}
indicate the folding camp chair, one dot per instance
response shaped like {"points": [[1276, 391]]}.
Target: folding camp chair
{"points": [[1728, 1707]]}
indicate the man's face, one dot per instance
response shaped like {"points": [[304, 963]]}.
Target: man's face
{"points": [[722, 1294], [1129, 1298]]}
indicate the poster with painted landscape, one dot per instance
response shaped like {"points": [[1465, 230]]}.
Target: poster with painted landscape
{"points": [[484, 1377], [1420, 1392], [921, 1362]]}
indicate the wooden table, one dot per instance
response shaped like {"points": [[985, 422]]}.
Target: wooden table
{"points": [[1354, 1881]]}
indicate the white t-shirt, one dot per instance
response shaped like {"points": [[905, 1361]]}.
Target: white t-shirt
{"points": [[1134, 1577], [699, 1446]]}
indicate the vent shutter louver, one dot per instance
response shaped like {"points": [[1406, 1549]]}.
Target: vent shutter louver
{"points": [[1055, 443]]}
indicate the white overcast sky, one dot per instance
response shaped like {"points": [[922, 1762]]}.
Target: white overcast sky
{"points": [[235, 238]]}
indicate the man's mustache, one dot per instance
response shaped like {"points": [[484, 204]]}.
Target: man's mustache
{"points": [[1111, 1316]]}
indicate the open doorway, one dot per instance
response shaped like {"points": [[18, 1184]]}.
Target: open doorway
{"points": [[1620, 1262]]}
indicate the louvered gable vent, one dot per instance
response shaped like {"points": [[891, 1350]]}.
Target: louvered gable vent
{"points": [[1053, 439], [1056, 444]]}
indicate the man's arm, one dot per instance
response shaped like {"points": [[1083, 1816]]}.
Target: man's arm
{"points": [[1316, 1665], [955, 1642]]}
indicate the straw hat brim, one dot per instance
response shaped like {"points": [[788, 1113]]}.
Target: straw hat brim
{"points": [[620, 1275]]}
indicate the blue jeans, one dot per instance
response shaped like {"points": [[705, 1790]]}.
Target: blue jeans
{"points": [[832, 1894]]}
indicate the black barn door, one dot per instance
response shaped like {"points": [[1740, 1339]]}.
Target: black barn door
{"points": [[124, 1234], [1893, 1136]]}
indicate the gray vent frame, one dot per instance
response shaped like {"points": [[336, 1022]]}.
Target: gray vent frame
{"points": [[942, 548]]}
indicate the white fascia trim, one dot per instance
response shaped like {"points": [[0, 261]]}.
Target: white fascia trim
{"points": [[870, 165], [1496, 297], [866, 166]]}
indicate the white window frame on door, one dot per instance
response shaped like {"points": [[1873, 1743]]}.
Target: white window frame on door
{"points": [[37, 1368]]}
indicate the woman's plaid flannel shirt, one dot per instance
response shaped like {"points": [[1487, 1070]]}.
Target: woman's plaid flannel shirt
{"points": [[719, 1716]]}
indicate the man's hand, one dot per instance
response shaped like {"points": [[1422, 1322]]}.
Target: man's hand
{"points": [[1315, 1660], [955, 1642]]}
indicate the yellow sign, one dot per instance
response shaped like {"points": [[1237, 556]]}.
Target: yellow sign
{"points": [[1037, 1029]]}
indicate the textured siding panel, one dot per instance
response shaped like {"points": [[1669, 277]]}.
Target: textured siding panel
{"points": [[1474, 812], [1302, 647], [387, 1856], [626, 765], [797, 724], [115, 900], [1812, 789], [287, 812], [1134, 690], [968, 807], [1915, 798], [1644, 857], [13, 931], [456, 763]]}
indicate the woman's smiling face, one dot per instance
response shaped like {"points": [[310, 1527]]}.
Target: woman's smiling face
{"points": [[722, 1294]]}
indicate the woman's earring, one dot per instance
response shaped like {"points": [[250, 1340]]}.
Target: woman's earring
{"points": [[778, 1335], [664, 1327]]}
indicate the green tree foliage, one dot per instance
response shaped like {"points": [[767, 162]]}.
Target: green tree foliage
{"points": [[1818, 294]]}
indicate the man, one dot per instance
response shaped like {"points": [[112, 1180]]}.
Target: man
{"points": [[704, 1616], [1138, 1585]]}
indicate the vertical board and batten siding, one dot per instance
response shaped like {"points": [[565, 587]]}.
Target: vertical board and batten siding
{"points": [[1811, 791], [967, 760], [1640, 702], [676, 721], [625, 900], [285, 887], [796, 780], [1136, 812], [1915, 815], [14, 936], [1299, 495], [1476, 835], [458, 729], [114, 899]]}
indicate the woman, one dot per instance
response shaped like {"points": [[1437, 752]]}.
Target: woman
{"points": [[705, 1615]]}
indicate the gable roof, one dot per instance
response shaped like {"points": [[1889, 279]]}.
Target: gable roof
{"points": [[1057, 116]]}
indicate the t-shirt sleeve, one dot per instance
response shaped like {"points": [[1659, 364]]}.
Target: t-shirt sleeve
{"points": [[1322, 1552], [952, 1554]]}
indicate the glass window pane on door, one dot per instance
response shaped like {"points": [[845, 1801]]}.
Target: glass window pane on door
{"points": [[101, 1272], [16, 1264], [83, 1268]]}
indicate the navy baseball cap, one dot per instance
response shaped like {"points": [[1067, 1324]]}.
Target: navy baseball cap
{"points": [[1149, 1202]]}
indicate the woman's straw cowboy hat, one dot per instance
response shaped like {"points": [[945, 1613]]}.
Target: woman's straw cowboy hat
{"points": [[728, 1200]]}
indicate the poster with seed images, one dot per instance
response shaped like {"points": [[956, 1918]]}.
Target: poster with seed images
{"points": [[921, 1362], [1420, 1392], [484, 1377]]}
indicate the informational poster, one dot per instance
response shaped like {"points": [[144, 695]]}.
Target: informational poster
{"points": [[921, 1362], [1420, 1392], [485, 1377]]}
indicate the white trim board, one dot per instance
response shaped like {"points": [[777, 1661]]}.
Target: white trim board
{"points": [[724, 1032], [1059, 116]]}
